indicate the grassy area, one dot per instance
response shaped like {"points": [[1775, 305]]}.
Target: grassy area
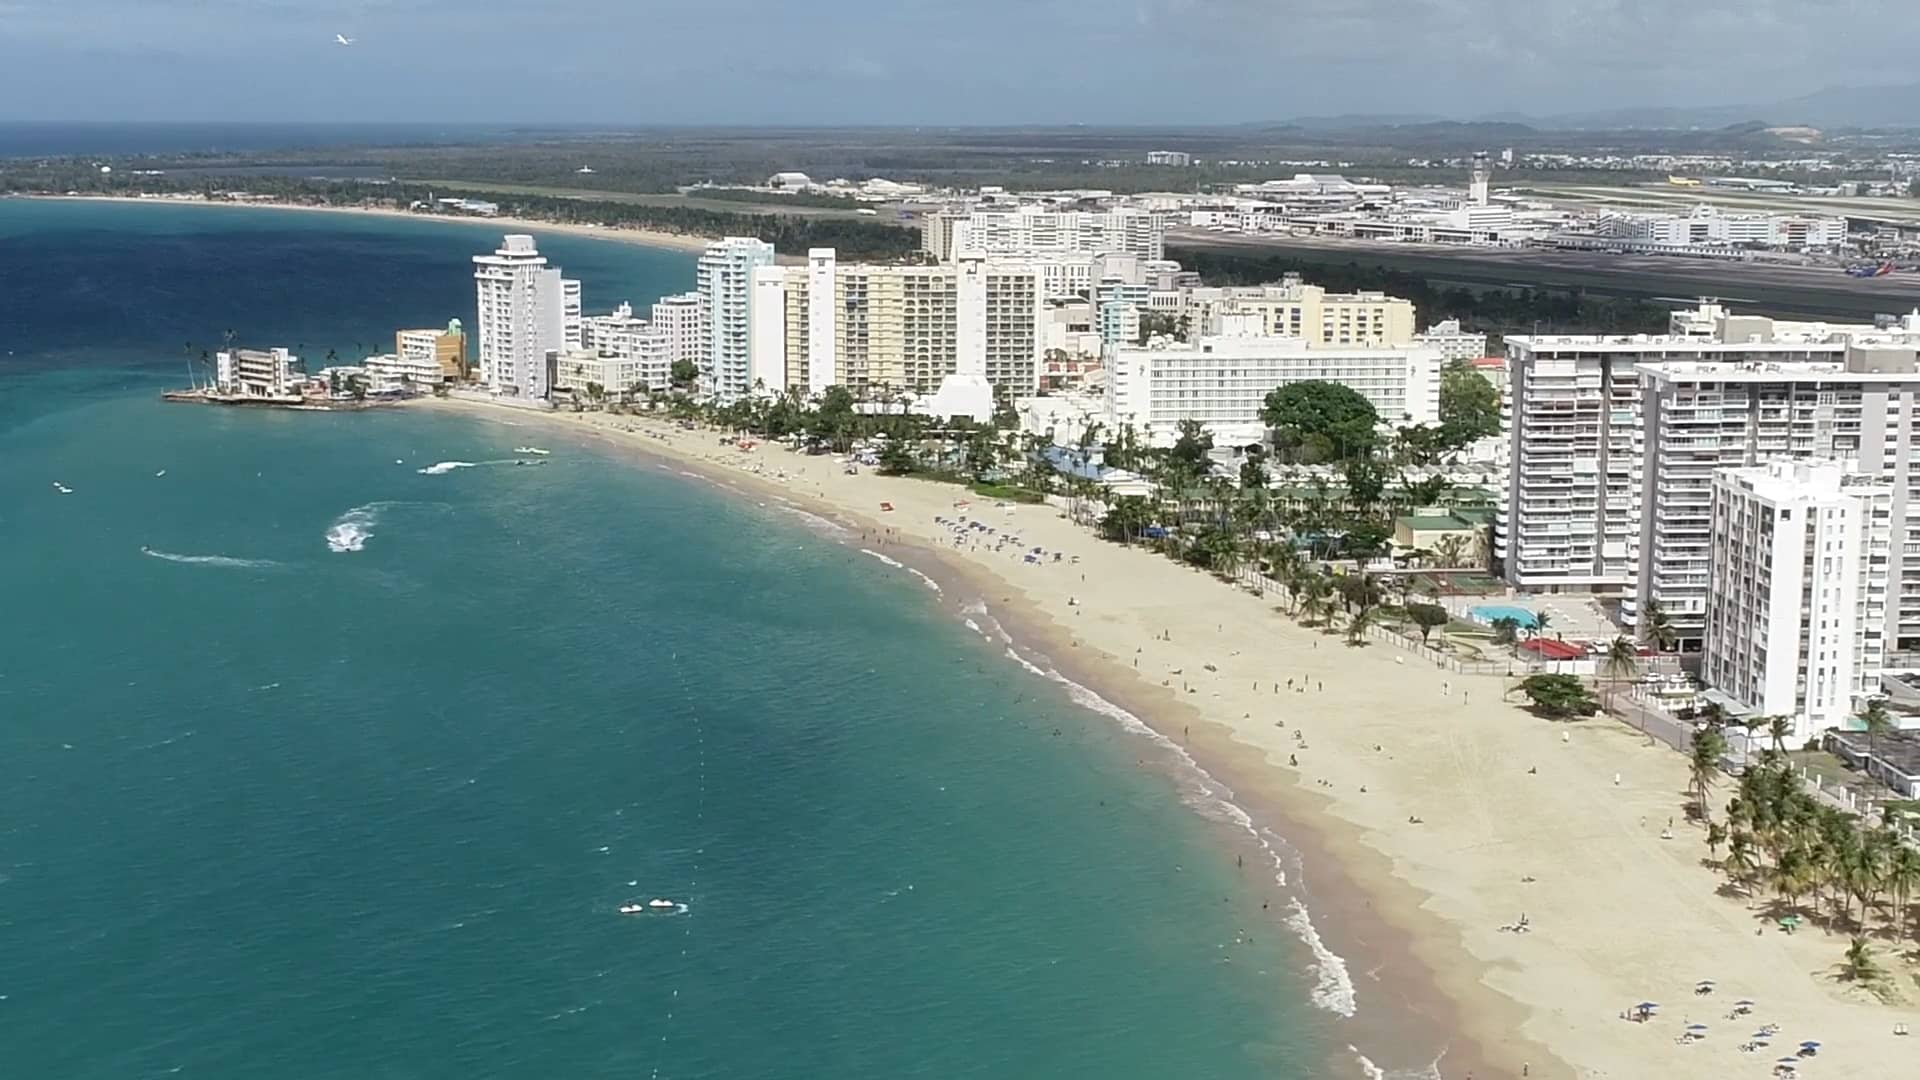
{"points": [[1828, 768], [1008, 492]]}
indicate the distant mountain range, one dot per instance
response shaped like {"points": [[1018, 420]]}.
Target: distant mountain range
{"points": [[1828, 109]]}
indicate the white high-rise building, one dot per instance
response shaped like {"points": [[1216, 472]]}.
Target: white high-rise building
{"points": [[570, 313], [1798, 591], [522, 317], [1572, 518], [1453, 342], [642, 348], [1224, 381], [678, 318], [1039, 230], [725, 287], [1702, 417]]}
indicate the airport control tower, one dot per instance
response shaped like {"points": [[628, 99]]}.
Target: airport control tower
{"points": [[1480, 186]]}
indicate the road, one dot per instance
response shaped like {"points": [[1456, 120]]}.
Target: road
{"points": [[1805, 292]]}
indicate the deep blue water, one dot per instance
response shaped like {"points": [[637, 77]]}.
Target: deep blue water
{"points": [[269, 808]]}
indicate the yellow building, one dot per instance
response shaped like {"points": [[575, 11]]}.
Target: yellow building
{"points": [[447, 348], [891, 329], [1296, 309]]}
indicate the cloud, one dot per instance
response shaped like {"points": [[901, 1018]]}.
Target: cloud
{"points": [[940, 61]]}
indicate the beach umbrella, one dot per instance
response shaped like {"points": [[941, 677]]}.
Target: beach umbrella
{"points": [[1648, 1005], [1696, 1027], [1744, 1001], [1809, 1045]]}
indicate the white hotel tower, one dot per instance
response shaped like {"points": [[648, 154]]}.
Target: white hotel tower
{"points": [[523, 317], [724, 283]]}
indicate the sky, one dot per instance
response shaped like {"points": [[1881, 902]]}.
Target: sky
{"points": [[925, 61]]}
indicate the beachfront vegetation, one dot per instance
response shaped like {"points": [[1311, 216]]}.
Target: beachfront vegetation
{"points": [[1815, 860], [1427, 617], [1558, 697]]}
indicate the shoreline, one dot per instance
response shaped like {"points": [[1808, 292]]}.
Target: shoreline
{"points": [[1333, 914], [642, 237], [1620, 914]]}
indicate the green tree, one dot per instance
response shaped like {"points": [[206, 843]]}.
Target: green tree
{"points": [[1877, 722], [683, 373], [1189, 453], [1426, 617], [1126, 518], [1709, 746], [1559, 697], [1253, 475], [1469, 406], [1506, 630], [1316, 421], [896, 458], [1357, 625], [1778, 729], [1655, 628], [1859, 965], [1622, 661]]}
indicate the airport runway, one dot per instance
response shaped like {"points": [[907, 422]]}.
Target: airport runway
{"points": [[1788, 291]]}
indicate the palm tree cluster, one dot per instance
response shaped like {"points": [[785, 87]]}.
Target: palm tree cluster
{"points": [[1816, 859]]}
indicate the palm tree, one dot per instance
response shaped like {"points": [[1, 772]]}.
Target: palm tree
{"points": [[1903, 877], [1716, 835], [1877, 721], [1859, 966], [1778, 728], [1540, 621], [1741, 863], [1622, 659], [1656, 629], [1357, 624], [1709, 746]]}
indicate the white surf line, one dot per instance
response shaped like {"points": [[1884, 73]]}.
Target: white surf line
{"points": [[898, 565], [1333, 988]]}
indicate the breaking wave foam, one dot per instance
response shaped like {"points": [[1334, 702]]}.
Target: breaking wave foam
{"points": [[898, 565], [1333, 984], [444, 467], [211, 560], [351, 530]]}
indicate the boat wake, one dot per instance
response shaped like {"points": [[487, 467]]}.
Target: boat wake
{"points": [[1333, 988], [351, 530], [228, 561]]}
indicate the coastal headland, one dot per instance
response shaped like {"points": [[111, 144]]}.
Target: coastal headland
{"points": [[1429, 814]]}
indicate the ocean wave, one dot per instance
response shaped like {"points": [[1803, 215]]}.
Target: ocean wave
{"points": [[898, 565], [1333, 984], [1375, 1072], [212, 560]]}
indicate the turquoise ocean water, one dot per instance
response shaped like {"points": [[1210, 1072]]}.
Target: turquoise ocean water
{"points": [[346, 772]]}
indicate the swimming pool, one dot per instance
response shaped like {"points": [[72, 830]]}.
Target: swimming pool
{"points": [[1488, 613]]}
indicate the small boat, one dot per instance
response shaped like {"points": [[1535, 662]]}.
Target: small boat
{"points": [[531, 450], [662, 905], [162, 472], [632, 909], [62, 488]]}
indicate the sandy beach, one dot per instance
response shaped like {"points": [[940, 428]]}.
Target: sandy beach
{"points": [[1429, 812], [643, 237]]}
